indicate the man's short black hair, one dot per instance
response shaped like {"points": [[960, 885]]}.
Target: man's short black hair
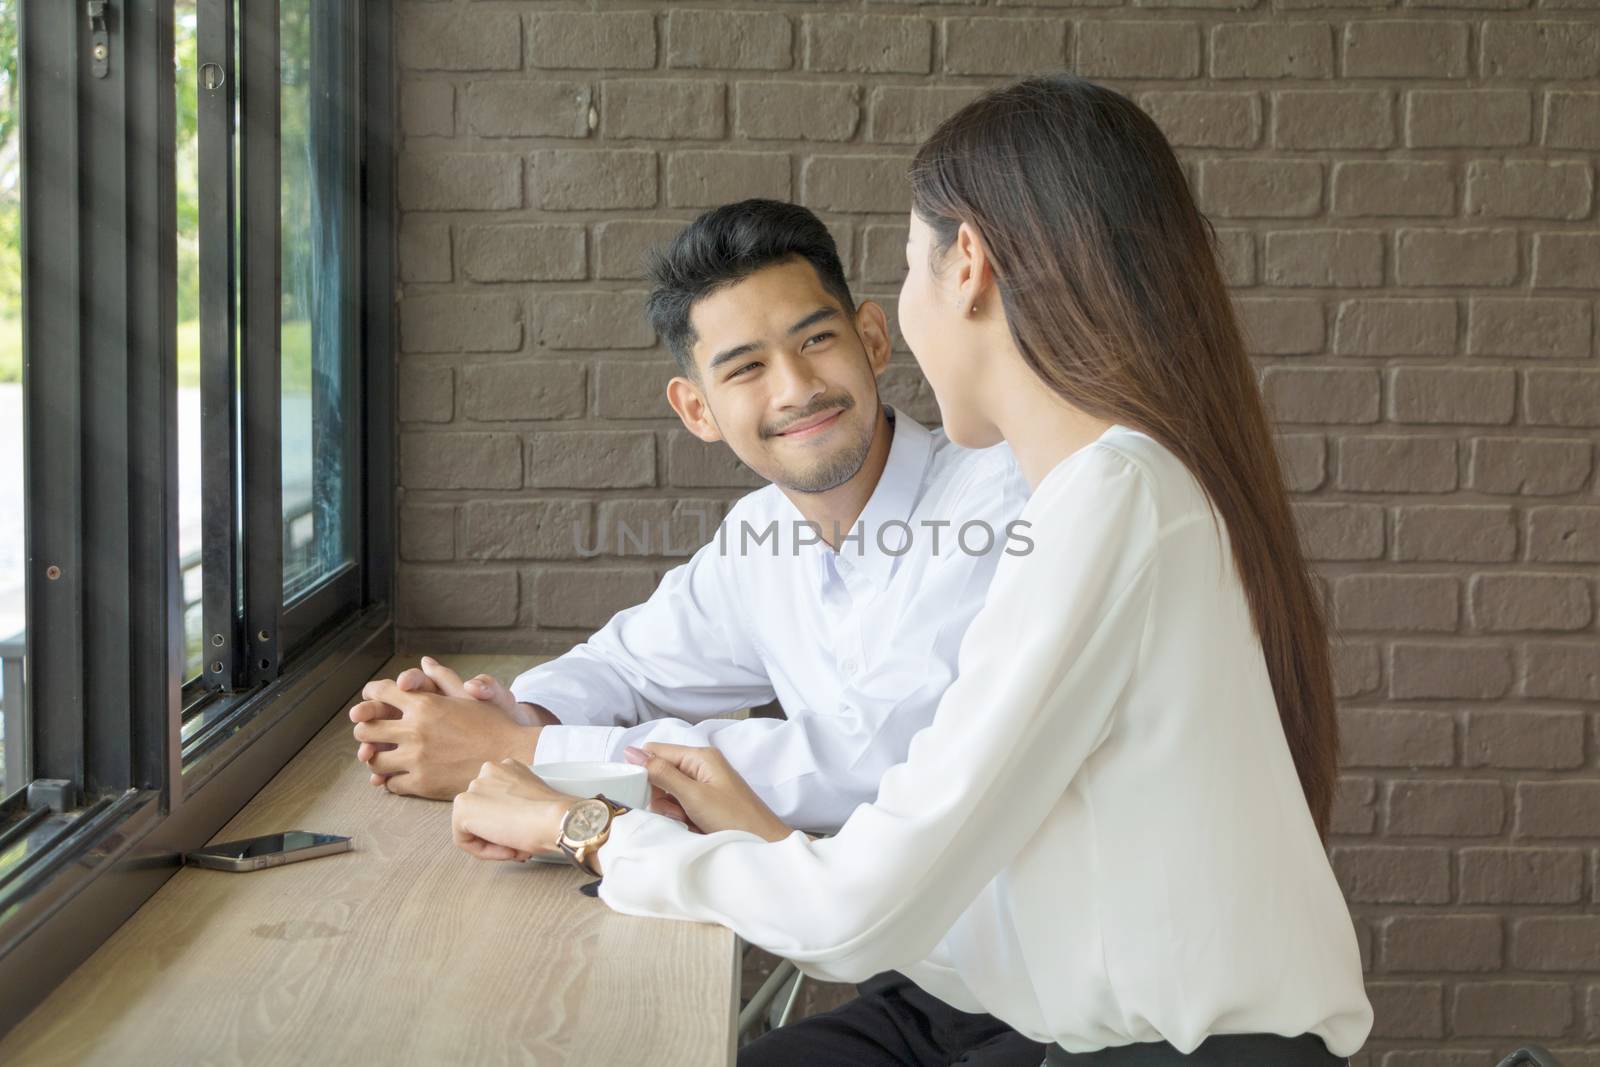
{"points": [[726, 245]]}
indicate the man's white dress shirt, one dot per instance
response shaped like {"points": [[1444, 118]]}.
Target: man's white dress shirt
{"points": [[1101, 838], [857, 645]]}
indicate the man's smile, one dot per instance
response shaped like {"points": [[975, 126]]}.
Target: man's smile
{"points": [[813, 426]]}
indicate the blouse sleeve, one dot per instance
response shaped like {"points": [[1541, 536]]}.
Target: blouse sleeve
{"points": [[1040, 672]]}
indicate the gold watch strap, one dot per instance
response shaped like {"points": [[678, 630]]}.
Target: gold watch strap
{"points": [[579, 855]]}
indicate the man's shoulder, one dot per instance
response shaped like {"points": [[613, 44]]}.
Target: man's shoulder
{"points": [[763, 503], [962, 472], [949, 456], [762, 514]]}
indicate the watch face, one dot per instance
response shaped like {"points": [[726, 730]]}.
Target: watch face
{"points": [[586, 819]]}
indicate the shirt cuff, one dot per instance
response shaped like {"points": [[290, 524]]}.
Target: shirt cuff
{"points": [[532, 695], [628, 825], [546, 688], [562, 744]]}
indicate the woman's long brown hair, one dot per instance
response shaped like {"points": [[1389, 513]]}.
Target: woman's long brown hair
{"points": [[1109, 277]]}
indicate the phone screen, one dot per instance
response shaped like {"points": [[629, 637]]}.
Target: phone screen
{"points": [[270, 844]]}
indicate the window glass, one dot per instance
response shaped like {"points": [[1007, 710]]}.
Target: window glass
{"points": [[187, 175], [318, 175], [13, 494]]}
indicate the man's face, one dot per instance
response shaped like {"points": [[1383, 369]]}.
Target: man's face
{"points": [[787, 377]]}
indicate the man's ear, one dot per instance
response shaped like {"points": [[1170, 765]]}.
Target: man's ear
{"points": [[873, 326], [689, 402]]}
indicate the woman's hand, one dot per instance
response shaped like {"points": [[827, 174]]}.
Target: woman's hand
{"points": [[701, 784], [507, 813]]}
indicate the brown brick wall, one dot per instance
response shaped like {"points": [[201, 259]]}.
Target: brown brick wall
{"points": [[1406, 200]]}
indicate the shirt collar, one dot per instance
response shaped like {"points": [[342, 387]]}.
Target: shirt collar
{"points": [[890, 504]]}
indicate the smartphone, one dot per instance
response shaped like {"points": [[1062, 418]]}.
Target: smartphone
{"points": [[270, 850]]}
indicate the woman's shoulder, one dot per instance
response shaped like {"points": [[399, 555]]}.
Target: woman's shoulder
{"points": [[1119, 455], [1127, 464]]}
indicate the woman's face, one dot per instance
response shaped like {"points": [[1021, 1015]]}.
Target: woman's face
{"points": [[946, 340]]}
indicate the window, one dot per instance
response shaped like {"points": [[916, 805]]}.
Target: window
{"points": [[204, 443], [186, 176], [279, 257], [13, 498], [318, 152]]}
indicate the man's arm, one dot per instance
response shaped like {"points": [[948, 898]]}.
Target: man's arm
{"points": [[541, 716], [685, 649], [685, 652], [812, 770]]}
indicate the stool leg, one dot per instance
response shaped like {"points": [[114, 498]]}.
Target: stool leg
{"points": [[790, 1000], [764, 997]]}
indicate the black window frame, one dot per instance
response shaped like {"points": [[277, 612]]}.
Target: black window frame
{"points": [[103, 583], [243, 515]]}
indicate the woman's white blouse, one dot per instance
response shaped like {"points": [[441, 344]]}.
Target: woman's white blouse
{"points": [[1101, 837]]}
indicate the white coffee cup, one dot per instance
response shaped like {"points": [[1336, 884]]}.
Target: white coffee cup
{"points": [[622, 783]]}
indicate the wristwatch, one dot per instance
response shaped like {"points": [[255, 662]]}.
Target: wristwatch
{"points": [[585, 827]]}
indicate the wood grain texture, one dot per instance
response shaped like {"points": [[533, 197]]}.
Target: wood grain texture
{"points": [[404, 951]]}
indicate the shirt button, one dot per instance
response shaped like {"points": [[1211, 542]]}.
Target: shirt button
{"points": [[849, 666]]}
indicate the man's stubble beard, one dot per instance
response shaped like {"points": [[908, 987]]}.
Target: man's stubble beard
{"points": [[834, 473], [836, 469]]}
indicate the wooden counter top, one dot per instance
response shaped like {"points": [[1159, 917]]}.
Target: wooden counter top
{"points": [[404, 951]]}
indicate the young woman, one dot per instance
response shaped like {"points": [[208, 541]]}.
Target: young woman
{"points": [[1111, 836]]}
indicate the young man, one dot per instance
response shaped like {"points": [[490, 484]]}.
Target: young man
{"points": [[842, 589]]}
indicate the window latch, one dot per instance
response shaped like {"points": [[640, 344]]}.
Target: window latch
{"points": [[59, 795], [99, 39]]}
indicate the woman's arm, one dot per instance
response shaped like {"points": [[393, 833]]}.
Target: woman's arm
{"points": [[1040, 672]]}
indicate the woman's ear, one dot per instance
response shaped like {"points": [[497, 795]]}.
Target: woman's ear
{"points": [[873, 327], [691, 407], [972, 268]]}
